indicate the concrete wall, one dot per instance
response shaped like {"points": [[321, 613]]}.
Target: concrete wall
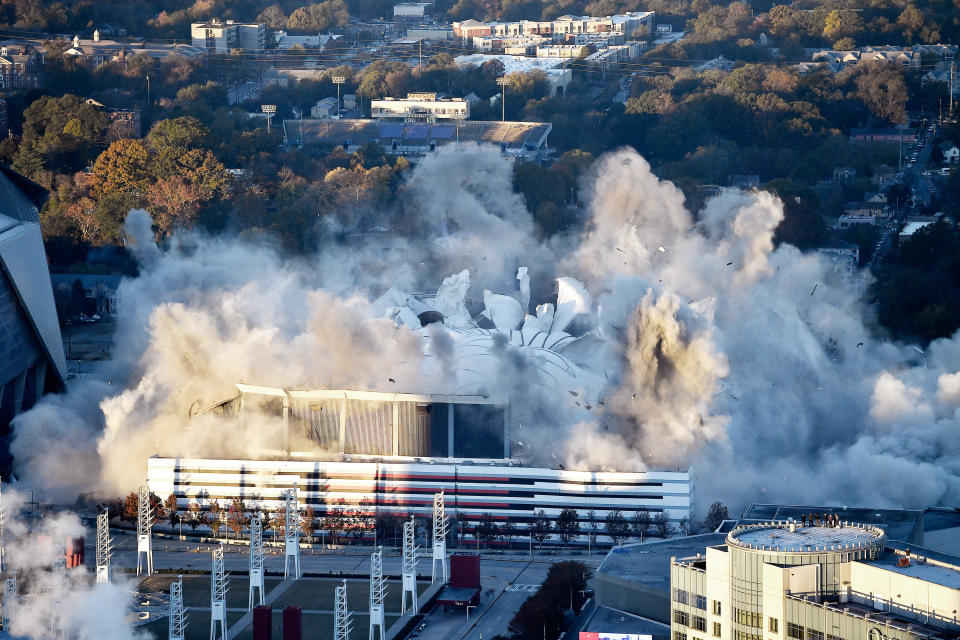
{"points": [[632, 597]]}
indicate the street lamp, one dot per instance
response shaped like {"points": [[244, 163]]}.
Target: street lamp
{"points": [[502, 81], [338, 80]]}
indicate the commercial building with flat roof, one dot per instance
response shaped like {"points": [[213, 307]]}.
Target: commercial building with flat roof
{"points": [[420, 107], [222, 37], [819, 579]]}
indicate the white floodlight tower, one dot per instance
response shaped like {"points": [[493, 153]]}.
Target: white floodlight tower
{"points": [[342, 624], [178, 617], [256, 559], [218, 596], [409, 568], [60, 580], [104, 544], [378, 590], [439, 537], [9, 602], [144, 528], [292, 533]]}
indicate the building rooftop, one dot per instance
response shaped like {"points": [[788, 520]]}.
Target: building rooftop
{"points": [[649, 562], [900, 524], [783, 536], [613, 621], [923, 564]]}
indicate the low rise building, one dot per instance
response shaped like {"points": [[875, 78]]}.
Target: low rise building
{"points": [[893, 134], [20, 67], [222, 37], [411, 10], [420, 107], [563, 51], [819, 579], [324, 108], [428, 32]]}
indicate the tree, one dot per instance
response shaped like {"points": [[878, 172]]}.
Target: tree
{"points": [[307, 523], [716, 514], [279, 523], [593, 525], [123, 167], [174, 136], [131, 506], [174, 202], [661, 523], [336, 521], [540, 527], [273, 17], [214, 518], [319, 17], [487, 530], [193, 515], [508, 530], [237, 518], [617, 527], [171, 504], [640, 524], [568, 525], [883, 89], [842, 23]]}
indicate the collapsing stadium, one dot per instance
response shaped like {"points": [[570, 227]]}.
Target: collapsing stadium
{"points": [[380, 454]]}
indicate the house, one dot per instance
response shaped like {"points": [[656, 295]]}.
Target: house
{"points": [[892, 134], [99, 291], [95, 52], [877, 197], [19, 67], [745, 182], [951, 153], [844, 257], [846, 220], [843, 175], [289, 77], [717, 64], [285, 42], [325, 108], [349, 101], [861, 209]]}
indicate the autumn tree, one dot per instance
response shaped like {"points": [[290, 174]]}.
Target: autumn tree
{"points": [[319, 17], [883, 89], [214, 518], [171, 505], [193, 515], [122, 168], [131, 506], [308, 523], [237, 517]]}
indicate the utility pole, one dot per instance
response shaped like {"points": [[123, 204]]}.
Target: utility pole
{"points": [[502, 81], [950, 112], [3, 518], [421, 53], [148, 91]]}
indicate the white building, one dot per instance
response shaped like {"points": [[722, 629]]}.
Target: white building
{"points": [[818, 579], [429, 33], [411, 10], [324, 108], [222, 37], [420, 107], [563, 51], [559, 29]]}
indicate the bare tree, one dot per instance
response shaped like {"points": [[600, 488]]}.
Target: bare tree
{"points": [[662, 524], [640, 524], [716, 514]]}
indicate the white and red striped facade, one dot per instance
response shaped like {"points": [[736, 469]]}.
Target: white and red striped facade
{"points": [[471, 488]]}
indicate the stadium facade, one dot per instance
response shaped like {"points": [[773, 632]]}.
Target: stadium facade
{"points": [[387, 454]]}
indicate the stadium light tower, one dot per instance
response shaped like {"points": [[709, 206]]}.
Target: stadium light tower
{"points": [[256, 559], [178, 617], [338, 80], [503, 82], [218, 596], [9, 602], [439, 537], [378, 590], [144, 528], [291, 534], [104, 543], [342, 624], [409, 568]]}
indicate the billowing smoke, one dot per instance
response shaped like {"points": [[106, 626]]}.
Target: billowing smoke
{"points": [[49, 604], [656, 338]]}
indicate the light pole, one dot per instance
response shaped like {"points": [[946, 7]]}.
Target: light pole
{"points": [[338, 80], [502, 81], [268, 109], [180, 515]]}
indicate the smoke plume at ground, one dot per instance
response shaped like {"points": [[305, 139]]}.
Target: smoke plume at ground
{"points": [[74, 605], [750, 363]]}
